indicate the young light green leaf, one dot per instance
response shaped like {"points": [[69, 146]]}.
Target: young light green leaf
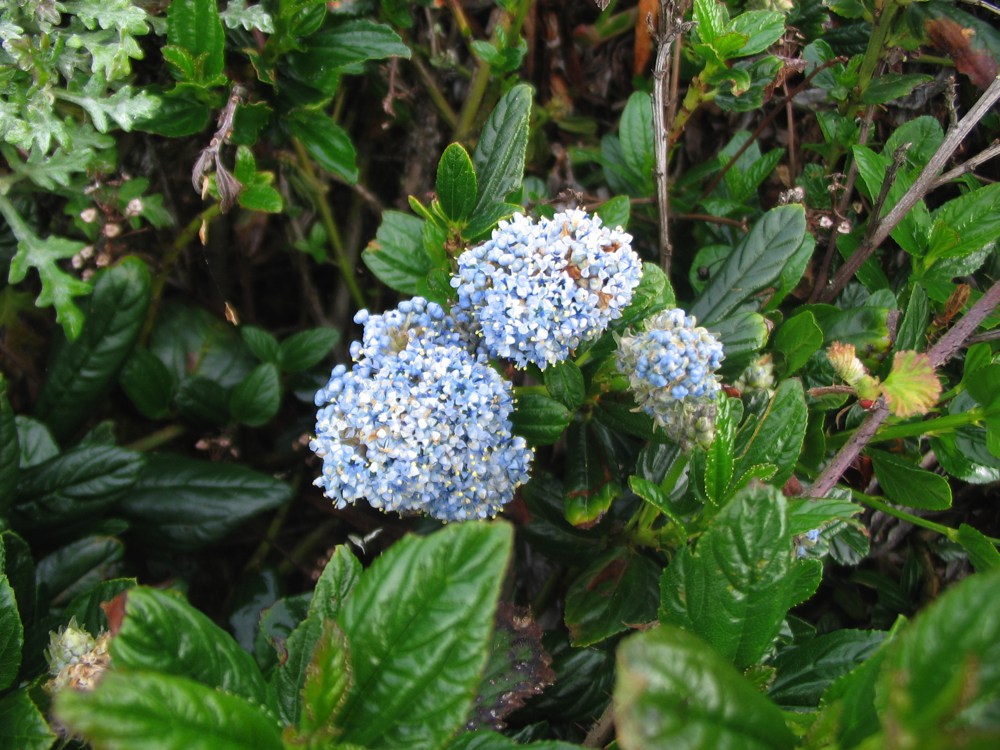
{"points": [[456, 183], [162, 633], [672, 690], [499, 155], [183, 504], [736, 587], [616, 592], [151, 711], [418, 624], [761, 28], [85, 370]]}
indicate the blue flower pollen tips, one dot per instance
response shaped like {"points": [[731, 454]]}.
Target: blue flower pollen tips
{"points": [[421, 422], [671, 364], [536, 291]]}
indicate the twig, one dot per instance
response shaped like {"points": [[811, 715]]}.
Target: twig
{"points": [[921, 186], [600, 734], [667, 31], [940, 353], [969, 166]]}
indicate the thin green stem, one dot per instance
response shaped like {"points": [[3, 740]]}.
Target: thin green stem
{"points": [[889, 510], [876, 44], [154, 440], [329, 223], [934, 426]]}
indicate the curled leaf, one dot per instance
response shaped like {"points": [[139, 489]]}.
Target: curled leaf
{"points": [[912, 387]]}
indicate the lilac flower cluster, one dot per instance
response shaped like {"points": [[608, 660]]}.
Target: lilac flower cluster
{"points": [[535, 291], [671, 366], [421, 422]]}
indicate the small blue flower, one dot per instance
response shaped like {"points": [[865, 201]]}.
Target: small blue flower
{"points": [[421, 422], [671, 366], [534, 292]]}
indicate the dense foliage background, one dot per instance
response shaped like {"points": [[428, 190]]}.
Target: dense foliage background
{"points": [[196, 199]]}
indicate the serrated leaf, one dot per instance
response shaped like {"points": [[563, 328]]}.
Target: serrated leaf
{"points": [[456, 183], [396, 255], [256, 400], [805, 671], [238, 13], [776, 437], [22, 726], [616, 211], [616, 592], [162, 633], [754, 265], [202, 401], [182, 504], [74, 486], [797, 339], [150, 711], [195, 26], [262, 343], [499, 155], [11, 634], [760, 28], [418, 622], [719, 456], [328, 679], [912, 329], [306, 349], [338, 579], [326, 142], [673, 690], [966, 224], [736, 587], [84, 371], [908, 484], [539, 419], [564, 382], [58, 287]]}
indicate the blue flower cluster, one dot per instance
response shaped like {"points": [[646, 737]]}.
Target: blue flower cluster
{"points": [[535, 291], [671, 366], [421, 422]]}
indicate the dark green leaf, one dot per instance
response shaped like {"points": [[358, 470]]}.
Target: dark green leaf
{"points": [[336, 582], [797, 339], [776, 437], [396, 255], [456, 183], [486, 740], [84, 370], [719, 456], [149, 711], [202, 401], [636, 134], [418, 624], [735, 589], [807, 670], [674, 691], [86, 607], [181, 504], [907, 484], [195, 26], [79, 566], [74, 486], [256, 400], [982, 553], [539, 419], [11, 634], [16, 563], [616, 592], [851, 699], [485, 219], [162, 633], [966, 224], [22, 726], [262, 343], [806, 515], [341, 45], [325, 141], [564, 382], [175, 116], [590, 488], [755, 265], [36, 442], [653, 294], [499, 155], [192, 342], [912, 330], [147, 383], [305, 349], [10, 451]]}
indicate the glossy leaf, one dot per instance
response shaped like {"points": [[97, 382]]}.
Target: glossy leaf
{"points": [[775, 437], [742, 336], [76, 485], [719, 456], [499, 155], [147, 383], [396, 255], [418, 623], [966, 224], [325, 141], [150, 711], [183, 504], [539, 419], [256, 400], [674, 691], [22, 726], [636, 134], [892, 86], [907, 484], [564, 382], [306, 349], [912, 330], [162, 633], [84, 371], [195, 26], [78, 567], [11, 634], [456, 184], [982, 552], [616, 592], [86, 607], [35, 440], [19, 567], [797, 339], [737, 585], [755, 264]]}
